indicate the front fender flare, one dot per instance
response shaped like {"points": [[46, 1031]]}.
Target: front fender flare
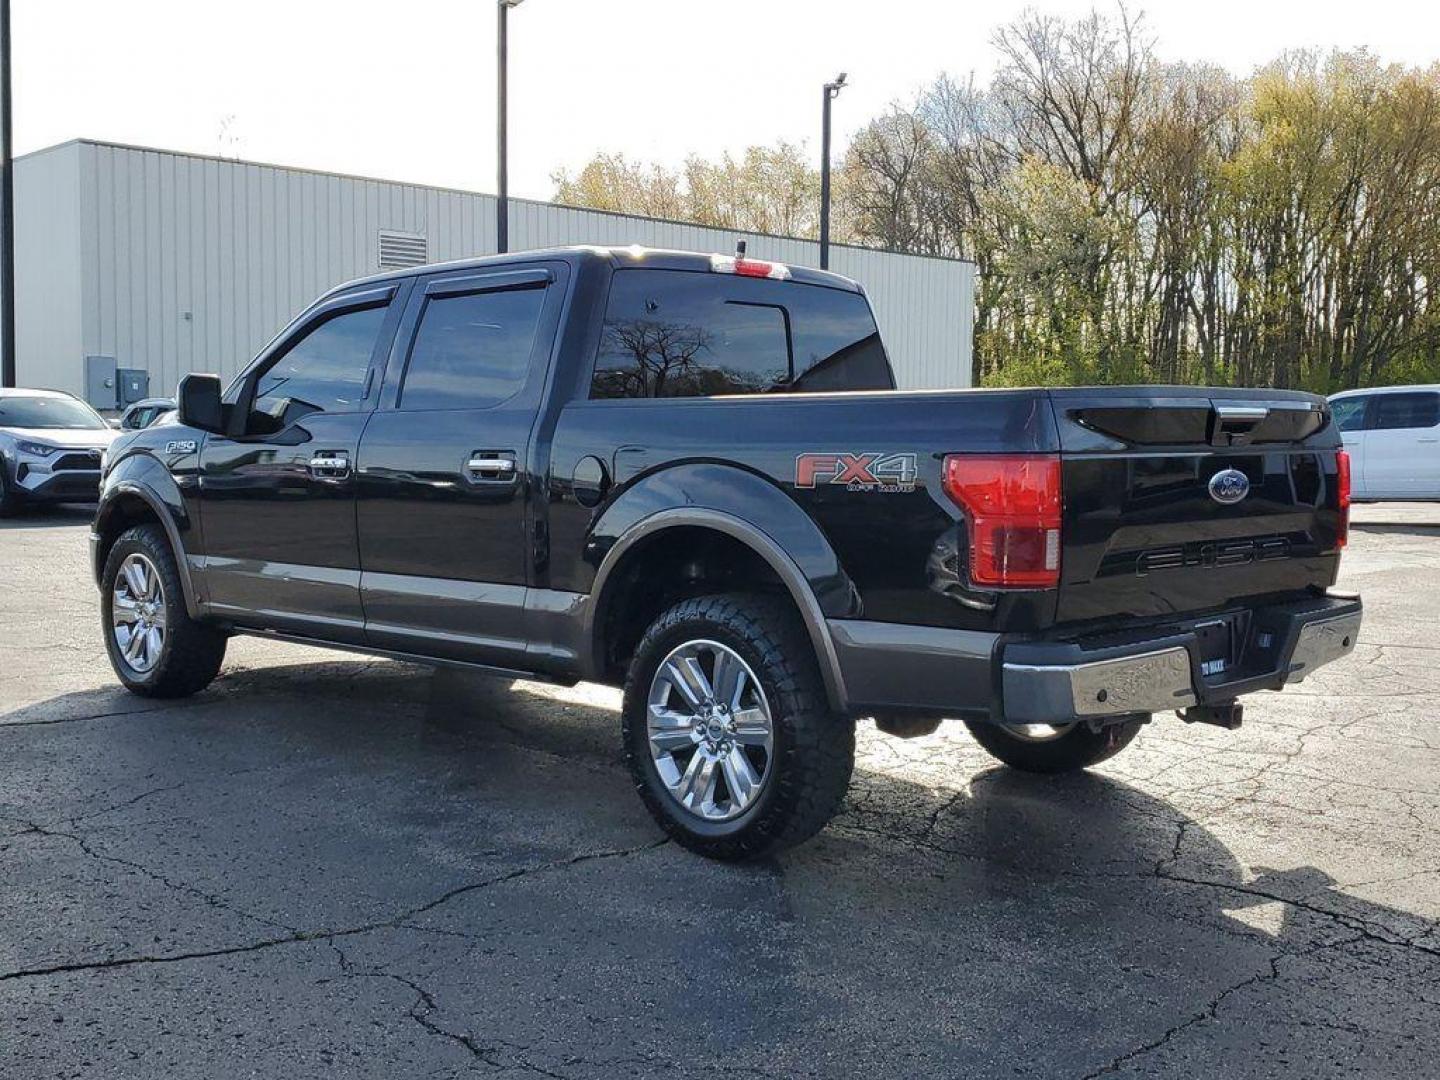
{"points": [[141, 476]]}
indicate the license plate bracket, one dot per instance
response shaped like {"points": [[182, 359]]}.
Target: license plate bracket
{"points": [[1214, 639]]}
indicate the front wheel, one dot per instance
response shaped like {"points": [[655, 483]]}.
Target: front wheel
{"points": [[156, 649], [728, 733], [1054, 748]]}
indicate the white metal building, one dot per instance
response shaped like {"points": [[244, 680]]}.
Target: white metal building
{"points": [[167, 263]]}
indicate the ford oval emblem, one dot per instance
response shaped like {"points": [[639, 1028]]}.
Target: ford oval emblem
{"points": [[1229, 486]]}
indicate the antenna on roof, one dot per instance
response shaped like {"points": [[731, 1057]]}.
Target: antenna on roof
{"points": [[739, 249]]}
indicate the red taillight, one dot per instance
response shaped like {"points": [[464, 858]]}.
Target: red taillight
{"points": [[1012, 503], [1342, 485]]}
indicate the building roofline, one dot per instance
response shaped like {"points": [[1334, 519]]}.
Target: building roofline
{"points": [[618, 256], [136, 147]]}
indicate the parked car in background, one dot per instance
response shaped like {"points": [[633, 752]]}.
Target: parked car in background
{"points": [[144, 413], [1393, 436], [50, 448]]}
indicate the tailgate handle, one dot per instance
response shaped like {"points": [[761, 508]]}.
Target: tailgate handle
{"points": [[1232, 425]]}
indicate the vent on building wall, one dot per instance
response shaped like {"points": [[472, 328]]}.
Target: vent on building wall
{"points": [[399, 250]]}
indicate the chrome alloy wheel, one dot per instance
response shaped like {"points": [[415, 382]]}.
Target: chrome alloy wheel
{"points": [[1038, 732], [710, 731], [137, 611]]}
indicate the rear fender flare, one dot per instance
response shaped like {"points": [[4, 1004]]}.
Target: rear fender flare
{"points": [[749, 509]]}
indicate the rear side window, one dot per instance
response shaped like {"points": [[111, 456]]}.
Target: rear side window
{"points": [[1405, 411], [675, 333], [472, 350]]}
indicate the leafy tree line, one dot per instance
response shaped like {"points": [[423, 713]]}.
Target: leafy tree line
{"points": [[1132, 219]]}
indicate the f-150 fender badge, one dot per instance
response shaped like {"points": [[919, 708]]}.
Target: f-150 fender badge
{"points": [[180, 446], [858, 472]]}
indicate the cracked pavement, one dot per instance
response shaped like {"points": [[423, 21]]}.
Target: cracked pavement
{"points": [[326, 865]]}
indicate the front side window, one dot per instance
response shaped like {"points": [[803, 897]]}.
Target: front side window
{"points": [[324, 371], [472, 350], [676, 333], [1350, 413], [1420, 410]]}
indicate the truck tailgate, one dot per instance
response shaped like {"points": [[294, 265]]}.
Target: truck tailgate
{"points": [[1156, 520]]}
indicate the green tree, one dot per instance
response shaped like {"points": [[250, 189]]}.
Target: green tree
{"points": [[1132, 219]]}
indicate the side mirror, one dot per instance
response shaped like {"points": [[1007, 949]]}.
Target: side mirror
{"points": [[199, 403]]}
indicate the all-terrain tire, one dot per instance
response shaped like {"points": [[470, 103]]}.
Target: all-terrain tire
{"points": [[813, 754], [192, 652], [1076, 748]]}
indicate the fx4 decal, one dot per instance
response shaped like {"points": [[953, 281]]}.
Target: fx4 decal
{"points": [[858, 472]]}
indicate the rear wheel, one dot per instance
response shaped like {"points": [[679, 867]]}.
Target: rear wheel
{"points": [[728, 733], [155, 647], [1054, 748]]}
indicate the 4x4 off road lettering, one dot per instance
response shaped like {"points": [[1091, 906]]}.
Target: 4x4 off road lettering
{"points": [[857, 472]]}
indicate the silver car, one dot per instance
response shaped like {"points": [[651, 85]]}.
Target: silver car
{"points": [[144, 413], [50, 448]]}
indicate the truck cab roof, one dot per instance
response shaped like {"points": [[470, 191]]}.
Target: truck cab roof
{"points": [[613, 257]]}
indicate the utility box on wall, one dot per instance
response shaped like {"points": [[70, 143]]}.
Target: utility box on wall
{"points": [[134, 384], [100, 382]]}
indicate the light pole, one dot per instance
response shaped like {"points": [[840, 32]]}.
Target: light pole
{"points": [[831, 90], [7, 209], [502, 203]]}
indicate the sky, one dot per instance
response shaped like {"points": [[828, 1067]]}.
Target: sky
{"points": [[406, 91]]}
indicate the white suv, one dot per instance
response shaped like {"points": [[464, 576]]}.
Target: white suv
{"points": [[1393, 436], [50, 448]]}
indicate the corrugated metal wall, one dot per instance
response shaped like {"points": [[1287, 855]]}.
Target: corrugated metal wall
{"points": [[48, 303], [192, 264]]}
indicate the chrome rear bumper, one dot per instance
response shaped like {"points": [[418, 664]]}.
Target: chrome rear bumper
{"points": [[1047, 693], [1051, 683], [1322, 641]]}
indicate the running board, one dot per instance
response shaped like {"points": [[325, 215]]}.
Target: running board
{"points": [[395, 654]]}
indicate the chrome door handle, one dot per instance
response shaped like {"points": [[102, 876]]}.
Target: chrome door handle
{"points": [[490, 466], [331, 464]]}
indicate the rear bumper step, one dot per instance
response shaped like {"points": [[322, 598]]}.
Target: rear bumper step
{"points": [[1060, 682]]}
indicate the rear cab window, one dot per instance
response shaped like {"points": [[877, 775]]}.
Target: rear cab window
{"points": [[679, 333]]}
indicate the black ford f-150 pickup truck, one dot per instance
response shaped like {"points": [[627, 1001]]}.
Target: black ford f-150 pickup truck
{"points": [[692, 476]]}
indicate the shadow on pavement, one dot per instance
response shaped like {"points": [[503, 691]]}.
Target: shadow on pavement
{"points": [[48, 516], [1034, 829], [1058, 923]]}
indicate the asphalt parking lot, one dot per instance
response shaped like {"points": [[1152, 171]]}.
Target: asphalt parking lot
{"points": [[328, 866]]}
